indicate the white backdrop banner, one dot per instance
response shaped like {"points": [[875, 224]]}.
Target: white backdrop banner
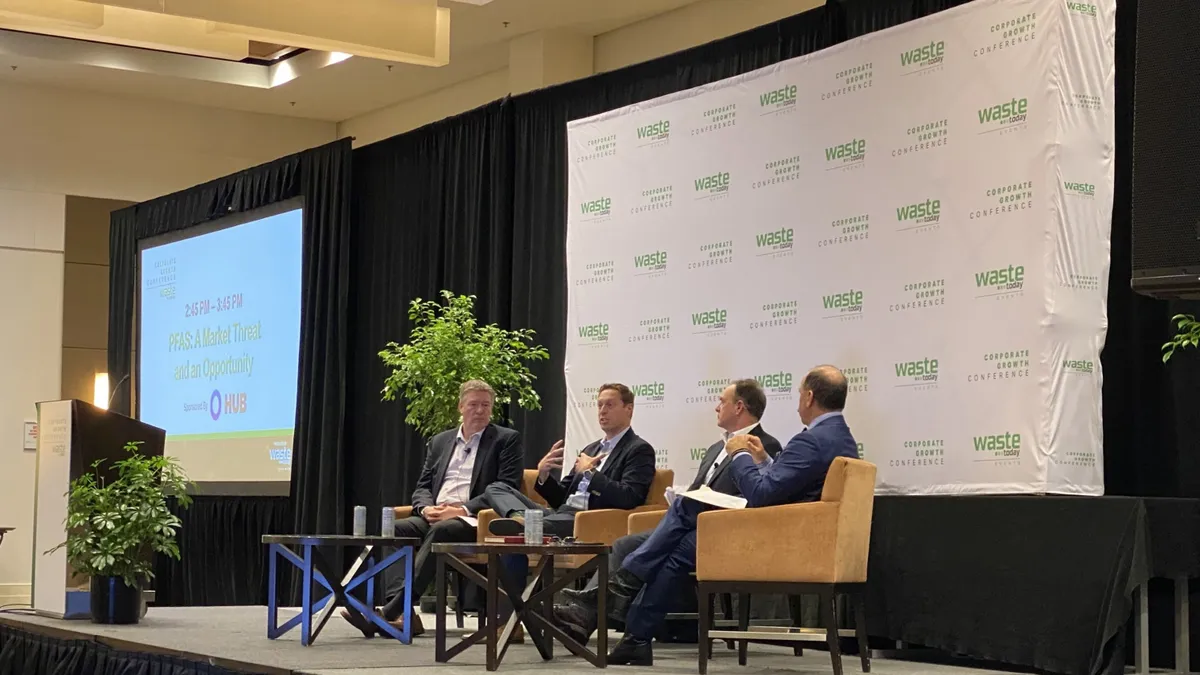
{"points": [[926, 207]]}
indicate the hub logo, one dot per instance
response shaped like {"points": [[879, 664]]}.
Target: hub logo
{"points": [[774, 241], [235, 404], [658, 131], [653, 392], [711, 321], [924, 56], [1082, 9], [1010, 113], [912, 373], [854, 150], [1009, 279], [655, 261], [713, 185], [1080, 189], [597, 208], [921, 213], [596, 333], [1079, 367], [214, 405], [1006, 444], [849, 302], [778, 99]]}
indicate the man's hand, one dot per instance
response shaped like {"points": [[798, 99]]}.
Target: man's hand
{"points": [[448, 512], [585, 463], [432, 514], [553, 460], [747, 443]]}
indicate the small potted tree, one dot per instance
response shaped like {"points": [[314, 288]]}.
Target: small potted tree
{"points": [[1187, 335], [447, 347], [114, 529]]}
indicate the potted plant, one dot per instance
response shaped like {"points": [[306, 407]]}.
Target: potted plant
{"points": [[114, 529], [447, 347], [1187, 335]]}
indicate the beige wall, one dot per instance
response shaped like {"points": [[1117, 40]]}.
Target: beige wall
{"points": [[31, 270], [55, 248], [119, 147], [689, 26], [85, 294]]}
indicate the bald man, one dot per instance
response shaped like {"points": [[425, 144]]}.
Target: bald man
{"points": [[659, 569]]}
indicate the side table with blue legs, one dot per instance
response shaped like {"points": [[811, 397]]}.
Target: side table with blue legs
{"points": [[304, 552]]}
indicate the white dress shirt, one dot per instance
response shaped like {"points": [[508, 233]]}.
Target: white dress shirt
{"points": [[712, 470], [579, 499], [456, 484]]}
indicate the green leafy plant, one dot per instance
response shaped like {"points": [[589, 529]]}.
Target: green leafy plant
{"points": [[447, 347], [112, 528], [1188, 335]]}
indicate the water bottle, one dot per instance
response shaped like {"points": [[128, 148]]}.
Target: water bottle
{"points": [[533, 527], [360, 521], [387, 527]]}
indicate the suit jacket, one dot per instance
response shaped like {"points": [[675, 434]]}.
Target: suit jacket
{"points": [[623, 483], [798, 473], [500, 458], [723, 480]]}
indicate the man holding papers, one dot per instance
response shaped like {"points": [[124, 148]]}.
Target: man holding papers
{"points": [[738, 410], [659, 569]]}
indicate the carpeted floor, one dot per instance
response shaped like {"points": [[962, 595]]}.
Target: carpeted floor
{"points": [[237, 635]]}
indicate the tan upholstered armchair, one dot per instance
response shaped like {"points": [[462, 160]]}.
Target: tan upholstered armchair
{"points": [[601, 526], [824, 544]]}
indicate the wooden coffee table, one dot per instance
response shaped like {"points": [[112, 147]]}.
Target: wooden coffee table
{"points": [[533, 606]]}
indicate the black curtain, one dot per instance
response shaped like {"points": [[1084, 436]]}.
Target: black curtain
{"points": [[322, 176], [222, 560], [477, 204], [25, 653]]}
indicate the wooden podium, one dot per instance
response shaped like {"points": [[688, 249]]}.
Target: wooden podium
{"points": [[72, 435]]}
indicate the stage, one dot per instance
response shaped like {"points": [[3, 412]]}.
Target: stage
{"points": [[233, 639]]}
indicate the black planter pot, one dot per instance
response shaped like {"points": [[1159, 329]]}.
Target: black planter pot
{"points": [[113, 601]]}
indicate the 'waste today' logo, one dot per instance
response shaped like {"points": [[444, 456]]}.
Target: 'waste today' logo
{"points": [[923, 58], [778, 100], [595, 334], [1001, 282], [710, 322], [921, 373], [654, 133], [1005, 116], [713, 186], [847, 305]]}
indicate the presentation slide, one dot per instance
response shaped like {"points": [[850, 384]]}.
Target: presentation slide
{"points": [[220, 341]]}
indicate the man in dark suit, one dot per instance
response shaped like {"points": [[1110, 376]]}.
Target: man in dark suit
{"points": [[614, 472], [739, 409], [460, 464], [660, 568]]}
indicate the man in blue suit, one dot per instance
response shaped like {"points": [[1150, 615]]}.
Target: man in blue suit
{"points": [[659, 569]]}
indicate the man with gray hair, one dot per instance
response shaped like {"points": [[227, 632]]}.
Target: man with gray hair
{"points": [[459, 465]]}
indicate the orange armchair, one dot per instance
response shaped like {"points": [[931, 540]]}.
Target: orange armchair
{"points": [[601, 526], [824, 545]]}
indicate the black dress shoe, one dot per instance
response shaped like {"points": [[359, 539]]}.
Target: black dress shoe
{"points": [[586, 597], [631, 651], [576, 621], [506, 527]]}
